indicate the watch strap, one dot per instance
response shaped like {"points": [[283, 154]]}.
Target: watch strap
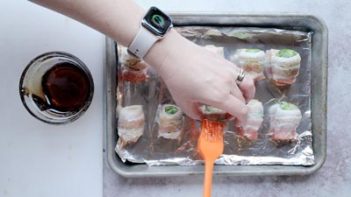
{"points": [[142, 42]]}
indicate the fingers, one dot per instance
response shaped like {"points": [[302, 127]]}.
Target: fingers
{"points": [[232, 105], [189, 108], [235, 91], [247, 86]]}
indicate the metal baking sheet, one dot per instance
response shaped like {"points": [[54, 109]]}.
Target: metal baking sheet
{"points": [[151, 92], [222, 21]]}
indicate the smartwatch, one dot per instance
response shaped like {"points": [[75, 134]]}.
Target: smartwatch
{"points": [[154, 27]]}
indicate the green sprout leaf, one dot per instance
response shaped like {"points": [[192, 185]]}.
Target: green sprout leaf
{"points": [[287, 106], [286, 53], [171, 110]]}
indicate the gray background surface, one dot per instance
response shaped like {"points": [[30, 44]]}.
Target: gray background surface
{"points": [[334, 178]]}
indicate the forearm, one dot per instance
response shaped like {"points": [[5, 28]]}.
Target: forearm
{"points": [[192, 74], [119, 19]]}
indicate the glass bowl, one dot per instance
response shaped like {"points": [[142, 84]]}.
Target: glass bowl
{"points": [[51, 83]]}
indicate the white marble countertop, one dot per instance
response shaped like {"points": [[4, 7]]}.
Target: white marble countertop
{"points": [[37, 159]]}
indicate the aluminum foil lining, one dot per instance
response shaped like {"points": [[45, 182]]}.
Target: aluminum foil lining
{"points": [[151, 93]]}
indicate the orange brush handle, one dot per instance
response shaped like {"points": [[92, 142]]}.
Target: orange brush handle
{"points": [[208, 178]]}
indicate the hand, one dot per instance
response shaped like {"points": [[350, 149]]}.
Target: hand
{"points": [[196, 76]]}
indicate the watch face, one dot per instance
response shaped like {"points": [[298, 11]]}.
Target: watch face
{"points": [[157, 21]]}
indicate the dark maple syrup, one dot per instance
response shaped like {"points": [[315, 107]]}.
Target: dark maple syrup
{"points": [[66, 88]]}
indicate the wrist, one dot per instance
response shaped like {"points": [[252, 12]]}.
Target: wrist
{"points": [[166, 48], [132, 30]]}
